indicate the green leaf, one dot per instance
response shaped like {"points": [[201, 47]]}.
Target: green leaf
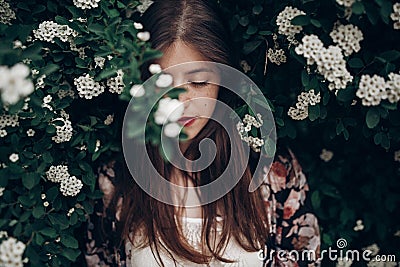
{"points": [[372, 118], [257, 9], [316, 199], [391, 55], [251, 46], [305, 79], [356, 63], [316, 23], [69, 241], [50, 232], [29, 180], [358, 8], [313, 112], [38, 211], [70, 254], [301, 20]]}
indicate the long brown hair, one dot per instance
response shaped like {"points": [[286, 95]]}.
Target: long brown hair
{"points": [[197, 24]]}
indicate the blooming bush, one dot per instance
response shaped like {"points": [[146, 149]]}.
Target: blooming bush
{"points": [[68, 70], [331, 70]]}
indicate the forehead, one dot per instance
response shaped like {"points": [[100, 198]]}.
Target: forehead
{"points": [[179, 53]]}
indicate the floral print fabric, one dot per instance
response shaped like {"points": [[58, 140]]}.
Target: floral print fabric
{"points": [[293, 226]]}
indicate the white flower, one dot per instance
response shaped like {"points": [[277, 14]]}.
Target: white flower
{"points": [[276, 56], [46, 203], [3, 133], [1, 193], [109, 119], [64, 132], [154, 68], [8, 120], [97, 145], [47, 99], [14, 83], [30, 132], [116, 84], [99, 61], [143, 36], [138, 26], [40, 82], [58, 173], [71, 186], [304, 100], [164, 80], [48, 30], [330, 61], [372, 90], [11, 251], [137, 90], [86, 4], [168, 110], [18, 44], [283, 20], [80, 50], [348, 38], [71, 210], [87, 87], [14, 157], [43, 196], [359, 226], [6, 13], [172, 129], [395, 16], [326, 155], [393, 87], [346, 3], [245, 66]]}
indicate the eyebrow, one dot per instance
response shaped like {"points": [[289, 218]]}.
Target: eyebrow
{"points": [[199, 70]]}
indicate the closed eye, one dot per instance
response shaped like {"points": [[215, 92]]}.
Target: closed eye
{"points": [[199, 84]]}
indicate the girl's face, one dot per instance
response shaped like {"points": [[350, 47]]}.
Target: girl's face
{"points": [[198, 79]]}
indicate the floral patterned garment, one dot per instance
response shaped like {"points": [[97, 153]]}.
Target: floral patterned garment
{"points": [[285, 191]]}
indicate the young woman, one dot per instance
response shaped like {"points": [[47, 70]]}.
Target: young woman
{"points": [[130, 228]]}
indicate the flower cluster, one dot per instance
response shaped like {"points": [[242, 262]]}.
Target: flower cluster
{"points": [[346, 3], [372, 90], [80, 50], [116, 84], [245, 66], [359, 226], [305, 99], [109, 119], [395, 16], [330, 61], [393, 87], [8, 120], [6, 13], [48, 30], [87, 87], [57, 173], [348, 38], [86, 4], [168, 112], [69, 185], [276, 56], [64, 132], [14, 83], [283, 21], [11, 251], [254, 142]]}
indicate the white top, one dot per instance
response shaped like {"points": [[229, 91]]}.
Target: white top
{"points": [[191, 229]]}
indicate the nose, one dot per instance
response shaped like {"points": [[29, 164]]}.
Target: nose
{"points": [[186, 96]]}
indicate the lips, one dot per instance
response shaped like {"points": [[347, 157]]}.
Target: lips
{"points": [[187, 121]]}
